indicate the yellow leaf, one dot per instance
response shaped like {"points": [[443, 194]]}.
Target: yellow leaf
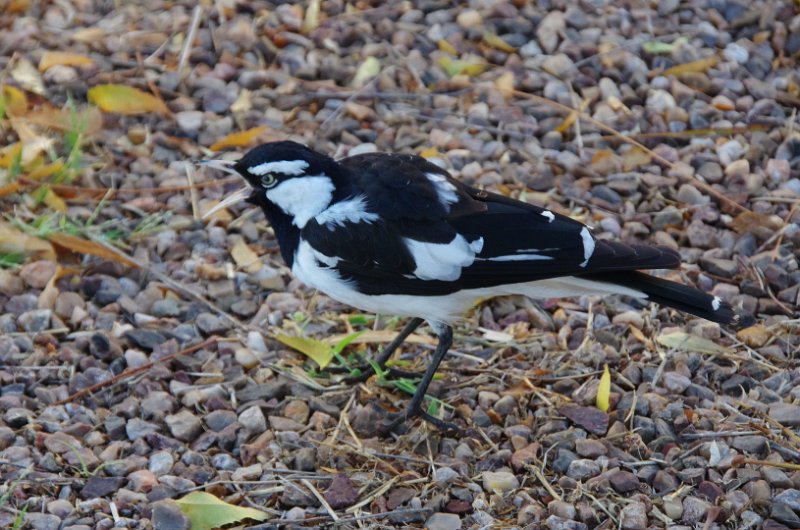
{"points": [[604, 390], [572, 116], [368, 69], [47, 170], [83, 246], [50, 59], [8, 189], [446, 47], [694, 67], [505, 84], [634, 157], [207, 512], [239, 139], [430, 152], [15, 7], [316, 350], [692, 343], [311, 20], [9, 154], [13, 101], [88, 35], [497, 43], [14, 241], [471, 66], [55, 202], [125, 100], [244, 257]]}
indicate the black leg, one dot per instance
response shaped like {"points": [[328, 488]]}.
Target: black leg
{"points": [[414, 409], [385, 355]]}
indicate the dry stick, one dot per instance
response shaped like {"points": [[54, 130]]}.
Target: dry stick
{"points": [[691, 178], [187, 45], [134, 371]]}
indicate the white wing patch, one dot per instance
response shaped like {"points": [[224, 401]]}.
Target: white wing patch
{"points": [[302, 198], [517, 257], [284, 167], [445, 190], [549, 215], [588, 245], [350, 211], [443, 261], [716, 303]]}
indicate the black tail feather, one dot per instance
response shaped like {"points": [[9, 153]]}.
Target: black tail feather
{"points": [[678, 296]]}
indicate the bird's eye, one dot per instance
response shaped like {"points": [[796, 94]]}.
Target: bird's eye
{"points": [[268, 180]]}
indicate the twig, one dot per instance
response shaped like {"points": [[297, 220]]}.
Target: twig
{"points": [[134, 371], [538, 474], [320, 498], [187, 44]]}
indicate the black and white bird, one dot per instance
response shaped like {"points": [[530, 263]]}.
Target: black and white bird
{"points": [[395, 234]]}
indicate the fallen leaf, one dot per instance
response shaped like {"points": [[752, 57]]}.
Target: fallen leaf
{"points": [[239, 139], [27, 76], [13, 101], [692, 343], [693, 67], [55, 58], [604, 390], [378, 336], [125, 100], [430, 152], [446, 47], [634, 157], [572, 116], [47, 170], [47, 298], [8, 189], [311, 20], [33, 144], [505, 84], [10, 153], [208, 512], [84, 246], [15, 7], [88, 35], [89, 121], [55, 202], [762, 225], [15, 241], [469, 67], [497, 43], [368, 69], [318, 351], [244, 257]]}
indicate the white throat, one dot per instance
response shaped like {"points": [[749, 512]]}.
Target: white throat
{"points": [[302, 198]]}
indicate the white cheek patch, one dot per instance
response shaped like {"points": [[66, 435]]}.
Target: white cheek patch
{"points": [[302, 198], [349, 211], [445, 190], [443, 261], [588, 246], [283, 167]]}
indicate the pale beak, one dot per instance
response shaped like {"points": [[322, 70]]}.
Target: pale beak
{"points": [[237, 196]]}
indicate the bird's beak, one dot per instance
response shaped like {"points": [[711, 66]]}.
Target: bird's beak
{"points": [[237, 196]]}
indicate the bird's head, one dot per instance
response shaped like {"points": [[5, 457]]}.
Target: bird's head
{"points": [[292, 177]]}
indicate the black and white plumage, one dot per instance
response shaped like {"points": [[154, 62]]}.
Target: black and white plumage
{"points": [[396, 234]]}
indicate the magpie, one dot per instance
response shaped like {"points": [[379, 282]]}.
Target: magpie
{"points": [[396, 234]]}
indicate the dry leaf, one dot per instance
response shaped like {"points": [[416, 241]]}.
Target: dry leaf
{"points": [[694, 67], [368, 69], [634, 157], [47, 298], [379, 336], [125, 100], [10, 153], [50, 59], [14, 241], [239, 139], [311, 20], [604, 390], [55, 202], [27, 76], [497, 43], [243, 102], [316, 350], [16, 7], [83, 246], [759, 224], [33, 145], [572, 116], [207, 512], [13, 102], [88, 121], [47, 170], [88, 35], [505, 84], [245, 258], [691, 343], [8, 189]]}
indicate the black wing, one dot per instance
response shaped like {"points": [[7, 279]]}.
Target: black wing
{"points": [[435, 235]]}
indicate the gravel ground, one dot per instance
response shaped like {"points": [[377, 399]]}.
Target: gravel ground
{"points": [[148, 367]]}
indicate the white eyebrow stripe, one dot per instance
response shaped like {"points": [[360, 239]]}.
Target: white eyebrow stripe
{"points": [[284, 167]]}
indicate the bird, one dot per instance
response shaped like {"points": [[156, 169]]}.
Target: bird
{"points": [[396, 234]]}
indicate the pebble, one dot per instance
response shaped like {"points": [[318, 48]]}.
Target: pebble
{"points": [[167, 515], [549, 30], [583, 468], [36, 320], [675, 382], [562, 509], [443, 521], [694, 510], [660, 101], [42, 521], [469, 18], [624, 481], [499, 481], [190, 121], [253, 420], [36, 274], [634, 516], [785, 413], [184, 425], [688, 194]]}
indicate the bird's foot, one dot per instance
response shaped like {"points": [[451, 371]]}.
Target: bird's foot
{"points": [[394, 420]]}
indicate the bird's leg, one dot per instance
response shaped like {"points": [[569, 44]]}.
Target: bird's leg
{"points": [[367, 369], [414, 408]]}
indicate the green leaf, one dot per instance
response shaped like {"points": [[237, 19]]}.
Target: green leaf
{"points": [[316, 350], [368, 69], [342, 344], [207, 512], [683, 341]]}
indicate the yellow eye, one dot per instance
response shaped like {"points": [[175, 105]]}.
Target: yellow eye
{"points": [[268, 180]]}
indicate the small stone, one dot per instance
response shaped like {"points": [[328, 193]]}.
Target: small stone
{"points": [[755, 337], [167, 515], [665, 482], [297, 410], [634, 516], [754, 444], [582, 469], [590, 448], [729, 152], [555, 522], [558, 65], [590, 418], [562, 509], [184, 425], [36, 320], [721, 267], [785, 413], [142, 480], [789, 497], [341, 493], [210, 324], [42, 521], [688, 194], [101, 487], [61, 508], [673, 508], [168, 307], [279, 423], [660, 100], [736, 53], [549, 30], [443, 521], [445, 475], [524, 456], [147, 339], [469, 18], [675, 382], [38, 273], [161, 463], [694, 510], [251, 472], [737, 168], [189, 121], [252, 420], [785, 515], [499, 482], [624, 481]]}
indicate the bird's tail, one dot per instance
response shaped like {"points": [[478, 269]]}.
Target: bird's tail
{"points": [[677, 296]]}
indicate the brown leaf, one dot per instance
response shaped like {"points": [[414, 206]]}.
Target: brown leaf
{"points": [[88, 121], [497, 43], [244, 257], [8, 189], [693, 67], [13, 101], [762, 225], [83, 246], [14, 241], [51, 58], [125, 100]]}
